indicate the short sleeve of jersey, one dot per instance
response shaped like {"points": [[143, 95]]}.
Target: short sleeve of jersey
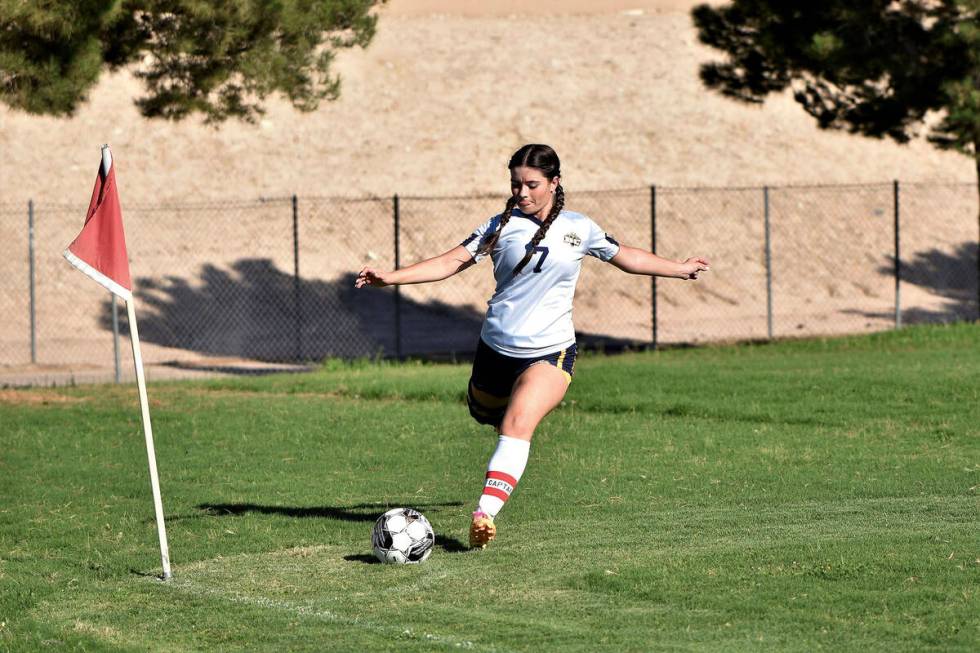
{"points": [[475, 239], [600, 244]]}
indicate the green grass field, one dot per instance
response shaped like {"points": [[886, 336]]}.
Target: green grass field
{"points": [[795, 496]]}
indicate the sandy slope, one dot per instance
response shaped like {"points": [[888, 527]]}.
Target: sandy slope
{"points": [[545, 8], [437, 103], [435, 106]]}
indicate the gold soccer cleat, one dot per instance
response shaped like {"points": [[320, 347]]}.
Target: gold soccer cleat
{"points": [[482, 530]]}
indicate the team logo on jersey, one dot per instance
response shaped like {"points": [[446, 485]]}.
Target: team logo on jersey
{"points": [[573, 239]]}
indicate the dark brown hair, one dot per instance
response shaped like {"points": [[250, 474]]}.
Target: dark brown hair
{"points": [[543, 158]]}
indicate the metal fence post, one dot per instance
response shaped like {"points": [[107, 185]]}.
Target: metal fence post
{"points": [[30, 256], [976, 161], [297, 309], [115, 337], [765, 201], [653, 279], [398, 294], [898, 264]]}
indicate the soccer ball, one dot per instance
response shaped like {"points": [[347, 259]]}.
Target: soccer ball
{"points": [[402, 535]]}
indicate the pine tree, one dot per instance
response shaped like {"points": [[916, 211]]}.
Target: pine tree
{"points": [[220, 58], [878, 68]]}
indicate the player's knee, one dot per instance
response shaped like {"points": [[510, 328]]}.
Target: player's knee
{"points": [[518, 423]]}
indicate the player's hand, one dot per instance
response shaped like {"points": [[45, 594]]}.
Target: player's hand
{"points": [[371, 277], [694, 266]]}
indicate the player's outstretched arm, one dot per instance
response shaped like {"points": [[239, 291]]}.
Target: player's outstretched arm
{"points": [[434, 269], [639, 261]]}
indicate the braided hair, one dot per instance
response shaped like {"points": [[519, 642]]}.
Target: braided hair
{"points": [[556, 206], [490, 241], [545, 159]]}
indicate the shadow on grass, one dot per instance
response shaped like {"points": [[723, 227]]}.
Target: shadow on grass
{"points": [[366, 558], [444, 542], [361, 512], [146, 574]]}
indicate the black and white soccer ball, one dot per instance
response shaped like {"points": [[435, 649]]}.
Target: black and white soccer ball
{"points": [[402, 536]]}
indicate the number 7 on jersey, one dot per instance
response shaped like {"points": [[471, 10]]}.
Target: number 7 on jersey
{"points": [[544, 255]]}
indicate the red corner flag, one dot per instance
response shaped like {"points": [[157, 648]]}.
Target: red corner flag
{"points": [[100, 249], [100, 252]]}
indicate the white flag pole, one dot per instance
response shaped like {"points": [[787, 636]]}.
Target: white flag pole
{"points": [[148, 432]]}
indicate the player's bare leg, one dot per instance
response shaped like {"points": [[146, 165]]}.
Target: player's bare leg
{"points": [[536, 393]]}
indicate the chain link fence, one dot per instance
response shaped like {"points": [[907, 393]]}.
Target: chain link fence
{"points": [[241, 283]]}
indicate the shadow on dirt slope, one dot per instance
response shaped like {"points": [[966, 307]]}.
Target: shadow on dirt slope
{"points": [[256, 311], [950, 276]]}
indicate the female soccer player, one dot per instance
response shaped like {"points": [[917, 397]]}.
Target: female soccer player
{"points": [[526, 355]]}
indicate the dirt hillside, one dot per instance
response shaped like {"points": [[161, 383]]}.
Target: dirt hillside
{"points": [[434, 107], [441, 97]]}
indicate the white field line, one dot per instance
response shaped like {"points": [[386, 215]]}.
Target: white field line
{"points": [[182, 584]]}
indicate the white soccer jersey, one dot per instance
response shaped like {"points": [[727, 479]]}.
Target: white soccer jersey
{"points": [[531, 314]]}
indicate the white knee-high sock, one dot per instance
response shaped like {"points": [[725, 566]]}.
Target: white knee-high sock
{"points": [[503, 472]]}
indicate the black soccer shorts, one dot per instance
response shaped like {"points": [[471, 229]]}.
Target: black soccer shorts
{"points": [[494, 375]]}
